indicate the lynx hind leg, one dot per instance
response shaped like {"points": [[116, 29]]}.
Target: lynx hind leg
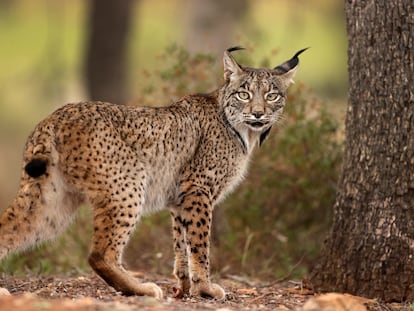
{"points": [[180, 253], [42, 209], [114, 221]]}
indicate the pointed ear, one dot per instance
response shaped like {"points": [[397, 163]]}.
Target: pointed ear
{"points": [[231, 68], [287, 70]]}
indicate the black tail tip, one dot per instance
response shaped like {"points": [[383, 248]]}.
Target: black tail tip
{"points": [[36, 167]]}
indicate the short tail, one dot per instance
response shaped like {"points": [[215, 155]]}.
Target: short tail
{"points": [[38, 151], [35, 214]]}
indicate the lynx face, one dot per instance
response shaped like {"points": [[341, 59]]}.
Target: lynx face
{"points": [[255, 97]]}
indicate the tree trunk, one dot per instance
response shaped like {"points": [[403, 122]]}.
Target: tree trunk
{"points": [[370, 250], [105, 62]]}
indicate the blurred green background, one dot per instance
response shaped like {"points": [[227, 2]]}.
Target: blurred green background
{"points": [[274, 224]]}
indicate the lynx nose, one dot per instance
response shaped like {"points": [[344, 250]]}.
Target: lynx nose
{"points": [[258, 114]]}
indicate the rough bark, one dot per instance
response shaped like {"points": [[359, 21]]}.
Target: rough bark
{"points": [[105, 61], [370, 250]]}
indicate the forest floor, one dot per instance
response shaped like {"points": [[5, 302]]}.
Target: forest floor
{"points": [[88, 292]]}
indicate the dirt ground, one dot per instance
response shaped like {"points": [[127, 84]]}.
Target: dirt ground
{"points": [[88, 292]]}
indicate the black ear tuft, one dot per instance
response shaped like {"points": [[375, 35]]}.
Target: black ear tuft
{"points": [[235, 48], [36, 167], [291, 63], [231, 68]]}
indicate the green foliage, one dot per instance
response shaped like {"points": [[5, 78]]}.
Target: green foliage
{"points": [[182, 74], [273, 223]]}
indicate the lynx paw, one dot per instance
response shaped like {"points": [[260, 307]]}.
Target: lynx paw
{"points": [[151, 289], [183, 288], [208, 290]]}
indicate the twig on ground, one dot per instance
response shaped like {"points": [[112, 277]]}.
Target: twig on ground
{"points": [[286, 277]]}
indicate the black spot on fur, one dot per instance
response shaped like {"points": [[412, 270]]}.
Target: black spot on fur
{"points": [[36, 167]]}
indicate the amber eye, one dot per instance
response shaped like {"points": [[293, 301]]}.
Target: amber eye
{"points": [[243, 95], [272, 97]]}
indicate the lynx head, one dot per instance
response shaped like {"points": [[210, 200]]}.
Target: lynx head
{"points": [[253, 98]]}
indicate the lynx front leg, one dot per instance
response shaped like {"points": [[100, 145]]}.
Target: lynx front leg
{"points": [[196, 215], [180, 251]]}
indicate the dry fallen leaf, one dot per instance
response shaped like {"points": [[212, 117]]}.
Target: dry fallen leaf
{"points": [[335, 302], [247, 291], [300, 291], [306, 283], [177, 293], [4, 291]]}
